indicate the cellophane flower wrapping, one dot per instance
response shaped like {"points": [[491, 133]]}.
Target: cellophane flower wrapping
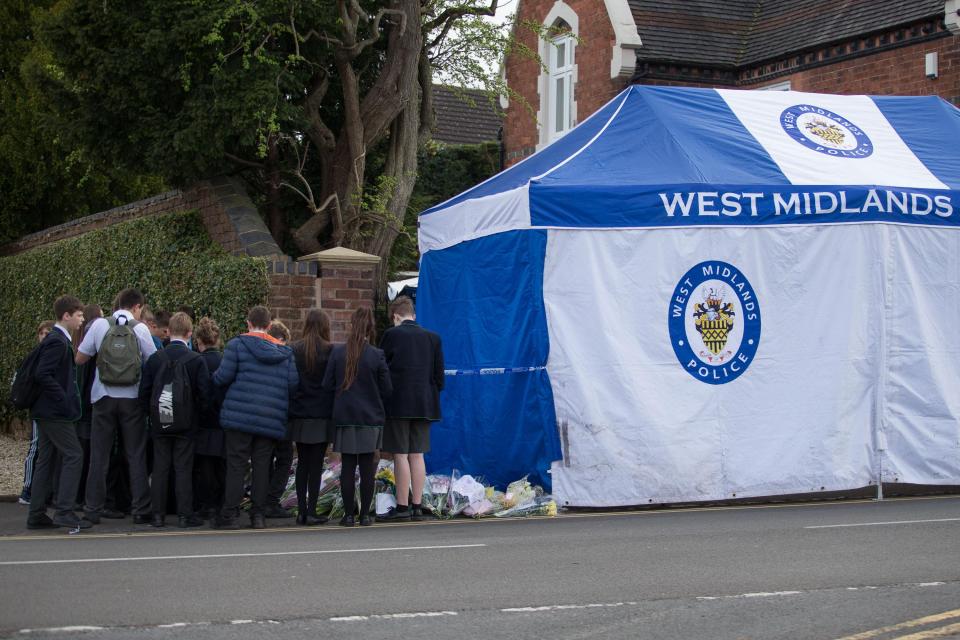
{"points": [[543, 505], [435, 491], [520, 492], [465, 492]]}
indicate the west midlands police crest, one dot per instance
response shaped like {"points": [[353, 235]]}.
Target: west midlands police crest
{"points": [[714, 322]]}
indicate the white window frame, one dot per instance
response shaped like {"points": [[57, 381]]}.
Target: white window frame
{"points": [[780, 86], [560, 74], [560, 14]]}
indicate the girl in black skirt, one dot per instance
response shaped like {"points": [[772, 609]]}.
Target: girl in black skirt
{"points": [[209, 462], [358, 381], [310, 413]]}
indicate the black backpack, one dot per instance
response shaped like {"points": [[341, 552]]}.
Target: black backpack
{"points": [[24, 390], [171, 401]]}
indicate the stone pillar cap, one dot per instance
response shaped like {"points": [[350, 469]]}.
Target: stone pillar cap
{"points": [[341, 255]]}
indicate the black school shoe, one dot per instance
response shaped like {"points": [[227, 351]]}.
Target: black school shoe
{"points": [[394, 515], [185, 522], [142, 518], [416, 513], [348, 521], [71, 521], [366, 521], [257, 522], [276, 511], [158, 520], [42, 521]]}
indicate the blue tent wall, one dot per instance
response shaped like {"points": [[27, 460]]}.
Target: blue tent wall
{"points": [[484, 298]]}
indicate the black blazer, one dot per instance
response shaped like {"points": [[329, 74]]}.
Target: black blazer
{"points": [[309, 400], [199, 378], [415, 358], [362, 404], [56, 376]]}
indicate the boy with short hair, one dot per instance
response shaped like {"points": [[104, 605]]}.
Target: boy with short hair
{"points": [[56, 412], [415, 358], [173, 435], [258, 375], [121, 345]]}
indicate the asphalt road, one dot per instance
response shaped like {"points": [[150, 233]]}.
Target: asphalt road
{"points": [[822, 570]]}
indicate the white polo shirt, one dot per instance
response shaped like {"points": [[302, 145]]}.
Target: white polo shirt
{"points": [[91, 345]]}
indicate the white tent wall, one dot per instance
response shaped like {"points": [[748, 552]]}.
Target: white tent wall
{"points": [[920, 430], [854, 374]]}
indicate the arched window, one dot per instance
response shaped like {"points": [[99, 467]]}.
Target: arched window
{"points": [[557, 83], [560, 81]]}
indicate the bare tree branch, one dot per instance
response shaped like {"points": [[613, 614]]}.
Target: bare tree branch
{"points": [[241, 161], [358, 48]]}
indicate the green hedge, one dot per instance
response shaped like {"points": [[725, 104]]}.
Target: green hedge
{"points": [[170, 258]]}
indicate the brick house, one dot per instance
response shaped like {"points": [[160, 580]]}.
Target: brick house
{"points": [[907, 47]]}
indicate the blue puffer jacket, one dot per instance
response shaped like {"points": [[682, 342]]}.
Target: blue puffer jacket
{"points": [[259, 377]]}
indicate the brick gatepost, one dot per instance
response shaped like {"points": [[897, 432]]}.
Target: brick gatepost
{"points": [[346, 283]]}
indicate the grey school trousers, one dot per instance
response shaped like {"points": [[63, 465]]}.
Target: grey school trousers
{"points": [[110, 414], [54, 436]]}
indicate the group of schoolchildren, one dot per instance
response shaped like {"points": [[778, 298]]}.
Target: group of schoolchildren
{"points": [[148, 395]]}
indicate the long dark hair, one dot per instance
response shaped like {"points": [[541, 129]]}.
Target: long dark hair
{"points": [[316, 337], [363, 330], [90, 313]]}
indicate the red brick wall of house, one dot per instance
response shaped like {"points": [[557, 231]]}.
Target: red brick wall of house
{"points": [[593, 87], [893, 72]]}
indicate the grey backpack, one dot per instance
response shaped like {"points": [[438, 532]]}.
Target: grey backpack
{"points": [[119, 360]]}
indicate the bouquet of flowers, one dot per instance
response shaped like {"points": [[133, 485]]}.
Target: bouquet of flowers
{"points": [[386, 481], [537, 506], [435, 491], [520, 492], [464, 492], [491, 503]]}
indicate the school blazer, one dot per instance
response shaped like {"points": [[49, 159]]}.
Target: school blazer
{"points": [[56, 376], [415, 358]]}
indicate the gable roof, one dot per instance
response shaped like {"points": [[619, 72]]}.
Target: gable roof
{"points": [[745, 32], [459, 122]]}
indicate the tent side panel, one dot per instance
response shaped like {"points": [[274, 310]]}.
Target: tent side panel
{"points": [[921, 424], [484, 298], [640, 426]]}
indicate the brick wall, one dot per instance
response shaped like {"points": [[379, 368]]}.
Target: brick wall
{"points": [[343, 289], [892, 72], [592, 57], [294, 290], [228, 214]]}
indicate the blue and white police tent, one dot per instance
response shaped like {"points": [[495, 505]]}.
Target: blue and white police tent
{"points": [[704, 294]]}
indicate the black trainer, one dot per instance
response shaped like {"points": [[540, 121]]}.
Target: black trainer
{"points": [[416, 513], [276, 511], [71, 521], [42, 521], [394, 515], [189, 521]]}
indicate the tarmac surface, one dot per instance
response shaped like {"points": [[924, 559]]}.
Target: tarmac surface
{"points": [[846, 569]]}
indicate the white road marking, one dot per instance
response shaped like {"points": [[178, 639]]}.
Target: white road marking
{"points": [[394, 616], [11, 563], [761, 594], [560, 607], [75, 629], [875, 524]]}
